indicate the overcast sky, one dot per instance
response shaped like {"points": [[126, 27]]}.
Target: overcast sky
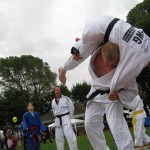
{"points": [[47, 28]]}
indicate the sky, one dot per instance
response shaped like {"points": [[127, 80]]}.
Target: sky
{"points": [[47, 29]]}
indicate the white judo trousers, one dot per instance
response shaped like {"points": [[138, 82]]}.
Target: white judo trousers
{"points": [[140, 135], [69, 134], [94, 125], [114, 113], [64, 106]]}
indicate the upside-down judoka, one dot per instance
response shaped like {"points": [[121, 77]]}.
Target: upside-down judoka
{"points": [[63, 111]]}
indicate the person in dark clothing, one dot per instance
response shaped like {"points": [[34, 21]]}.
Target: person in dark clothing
{"points": [[6, 127], [24, 137], [48, 135]]}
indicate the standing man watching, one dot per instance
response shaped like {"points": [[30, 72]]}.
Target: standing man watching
{"points": [[63, 111]]}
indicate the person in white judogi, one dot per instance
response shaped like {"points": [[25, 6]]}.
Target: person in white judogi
{"points": [[63, 110], [138, 120], [100, 104], [133, 44]]}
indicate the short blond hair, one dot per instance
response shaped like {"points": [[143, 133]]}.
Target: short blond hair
{"points": [[110, 51]]}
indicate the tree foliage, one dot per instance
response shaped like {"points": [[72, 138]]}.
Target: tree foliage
{"points": [[65, 90], [139, 16], [79, 91], [24, 79]]}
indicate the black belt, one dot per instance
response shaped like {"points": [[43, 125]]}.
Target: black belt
{"points": [[108, 31], [59, 116], [95, 93]]}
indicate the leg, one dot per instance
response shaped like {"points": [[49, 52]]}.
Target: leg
{"points": [[25, 142], [70, 136], [141, 137], [59, 137], [30, 143], [146, 138], [118, 126], [138, 132], [37, 146], [94, 125]]}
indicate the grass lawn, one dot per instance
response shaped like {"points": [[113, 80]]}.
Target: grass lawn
{"points": [[83, 142]]}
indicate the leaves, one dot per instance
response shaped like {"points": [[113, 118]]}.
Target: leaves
{"points": [[79, 91], [24, 79], [139, 17]]}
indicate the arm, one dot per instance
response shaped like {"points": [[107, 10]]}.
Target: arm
{"points": [[24, 120], [52, 105], [126, 94], [41, 126], [71, 107], [85, 50]]}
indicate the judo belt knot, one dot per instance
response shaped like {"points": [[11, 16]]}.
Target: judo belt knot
{"points": [[59, 116], [33, 130], [95, 93]]}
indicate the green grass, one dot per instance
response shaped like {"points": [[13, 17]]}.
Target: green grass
{"points": [[83, 142]]}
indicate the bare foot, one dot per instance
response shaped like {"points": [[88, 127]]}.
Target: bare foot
{"points": [[62, 75]]}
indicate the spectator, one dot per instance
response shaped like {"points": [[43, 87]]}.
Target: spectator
{"points": [[32, 126]]}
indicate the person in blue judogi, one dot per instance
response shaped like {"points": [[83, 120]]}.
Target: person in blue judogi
{"points": [[32, 127]]}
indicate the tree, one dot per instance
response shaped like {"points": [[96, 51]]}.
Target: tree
{"points": [[139, 16], [12, 104], [65, 90], [79, 91], [24, 79]]}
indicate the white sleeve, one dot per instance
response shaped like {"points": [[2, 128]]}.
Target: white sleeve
{"points": [[70, 107], [85, 51], [52, 105], [127, 95]]}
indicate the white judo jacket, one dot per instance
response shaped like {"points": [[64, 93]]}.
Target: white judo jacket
{"points": [[64, 106], [133, 43]]}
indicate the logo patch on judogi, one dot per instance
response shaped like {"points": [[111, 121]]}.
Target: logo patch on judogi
{"points": [[127, 36], [137, 40]]}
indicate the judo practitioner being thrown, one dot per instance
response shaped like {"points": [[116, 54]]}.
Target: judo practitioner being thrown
{"points": [[134, 52], [63, 111]]}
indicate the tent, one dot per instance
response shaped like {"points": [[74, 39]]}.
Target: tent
{"points": [[1, 134], [75, 122]]}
